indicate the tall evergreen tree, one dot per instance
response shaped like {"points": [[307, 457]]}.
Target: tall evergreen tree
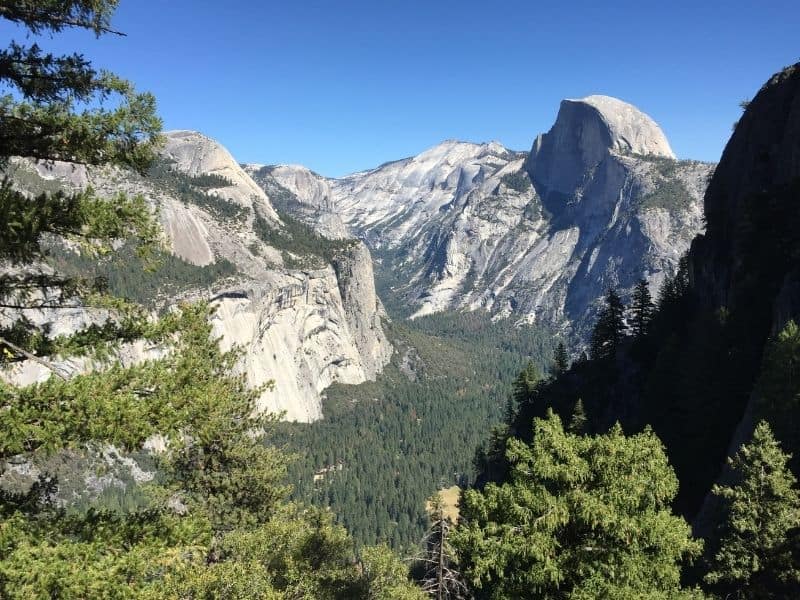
{"points": [[761, 524], [59, 108], [560, 360], [610, 327], [642, 309], [523, 389], [578, 422], [778, 390]]}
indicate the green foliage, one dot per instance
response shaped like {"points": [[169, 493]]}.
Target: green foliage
{"points": [[56, 15], [81, 217], [579, 517], [519, 181], [216, 524], [415, 429], [577, 424], [778, 390], [195, 190], [309, 248], [125, 275], [523, 387], [120, 406], [560, 360], [610, 327], [60, 108], [386, 576], [762, 513], [642, 308], [669, 193]]}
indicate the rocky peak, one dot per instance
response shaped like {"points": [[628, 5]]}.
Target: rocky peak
{"points": [[585, 132], [302, 194], [196, 154]]}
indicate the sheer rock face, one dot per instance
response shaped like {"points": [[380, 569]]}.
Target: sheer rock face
{"points": [[306, 330], [762, 156], [600, 201], [585, 132], [302, 328]]}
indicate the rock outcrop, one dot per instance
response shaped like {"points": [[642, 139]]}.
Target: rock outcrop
{"points": [[584, 133], [305, 330], [600, 201], [303, 194], [301, 328]]}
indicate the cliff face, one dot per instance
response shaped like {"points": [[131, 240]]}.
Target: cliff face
{"points": [[748, 261], [306, 330], [584, 133], [755, 186], [696, 377], [303, 328], [600, 201]]}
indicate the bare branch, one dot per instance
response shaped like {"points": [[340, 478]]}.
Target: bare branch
{"points": [[45, 363]]}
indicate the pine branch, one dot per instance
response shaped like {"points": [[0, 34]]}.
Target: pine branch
{"points": [[45, 363]]}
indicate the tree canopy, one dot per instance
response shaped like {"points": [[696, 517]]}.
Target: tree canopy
{"points": [[579, 517], [757, 555]]}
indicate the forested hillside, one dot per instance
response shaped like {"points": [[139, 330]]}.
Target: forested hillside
{"points": [[153, 328], [384, 447], [715, 354]]}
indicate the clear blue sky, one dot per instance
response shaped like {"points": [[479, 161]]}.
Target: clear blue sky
{"points": [[343, 86]]}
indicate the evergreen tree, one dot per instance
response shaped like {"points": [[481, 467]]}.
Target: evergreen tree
{"points": [[386, 577], [578, 422], [441, 578], [579, 517], [58, 107], [642, 309], [560, 360], [523, 389], [761, 523], [610, 327], [778, 390]]}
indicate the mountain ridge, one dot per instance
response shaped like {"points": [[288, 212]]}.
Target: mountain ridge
{"points": [[477, 226]]}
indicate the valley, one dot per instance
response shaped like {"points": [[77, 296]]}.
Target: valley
{"points": [[394, 308], [561, 367]]}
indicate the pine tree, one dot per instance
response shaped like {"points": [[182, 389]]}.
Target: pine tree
{"points": [[778, 390], [578, 422], [610, 327], [441, 579], [61, 109], [642, 309], [579, 517], [523, 389], [761, 520], [560, 360]]}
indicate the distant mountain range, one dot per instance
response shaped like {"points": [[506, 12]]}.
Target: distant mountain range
{"points": [[600, 201]]}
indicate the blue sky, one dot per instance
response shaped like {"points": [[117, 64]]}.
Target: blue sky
{"points": [[343, 86]]}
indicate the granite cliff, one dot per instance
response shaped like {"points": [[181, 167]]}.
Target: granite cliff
{"points": [[599, 201], [302, 320]]}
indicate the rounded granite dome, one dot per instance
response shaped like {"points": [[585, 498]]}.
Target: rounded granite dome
{"points": [[631, 130], [585, 133]]}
